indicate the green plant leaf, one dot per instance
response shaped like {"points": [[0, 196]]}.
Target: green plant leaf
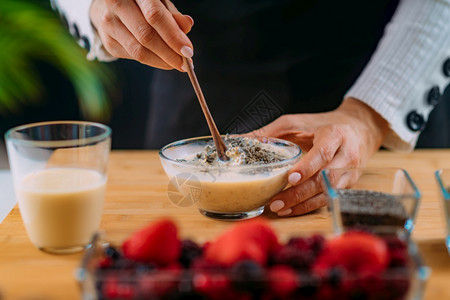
{"points": [[30, 33]]}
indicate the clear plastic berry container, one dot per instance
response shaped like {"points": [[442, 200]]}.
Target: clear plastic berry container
{"points": [[405, 277]]}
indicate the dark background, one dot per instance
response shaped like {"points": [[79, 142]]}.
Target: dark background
{"points": [[130, 102]]}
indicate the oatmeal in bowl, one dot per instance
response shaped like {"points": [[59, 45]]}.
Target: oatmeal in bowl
{"points": [[231, 190]]}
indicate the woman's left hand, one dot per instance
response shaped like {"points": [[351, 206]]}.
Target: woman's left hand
{"points": [[345, 137]]}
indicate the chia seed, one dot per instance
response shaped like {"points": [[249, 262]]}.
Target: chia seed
{"points": [[362, 208], [242, 151]]}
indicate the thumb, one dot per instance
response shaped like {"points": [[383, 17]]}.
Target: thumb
{"points": [[302, 138]]}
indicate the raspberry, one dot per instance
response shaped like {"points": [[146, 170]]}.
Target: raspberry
{"points": [[397, 284], [104, 263], [158, 284], [292, 256], [214, 285], [398, 258], [283, 281], [189, 252], [114, 289], [203, 264], [368, 283], [248, 276]]}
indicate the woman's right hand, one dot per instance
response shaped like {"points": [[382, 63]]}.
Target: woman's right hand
{"points": [[143, 30]]}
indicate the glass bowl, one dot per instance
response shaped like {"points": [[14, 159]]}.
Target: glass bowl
{"points": [[443, 180], [223, 191], [377, 199], [135, 281]]}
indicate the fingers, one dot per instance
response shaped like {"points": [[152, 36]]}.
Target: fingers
{"points": [[161, 20], [309, 205], [185, 22], [144, 30], [280, 126], [145, 34], [131, 46], [325, 145], [290, 201], [296, 194]]}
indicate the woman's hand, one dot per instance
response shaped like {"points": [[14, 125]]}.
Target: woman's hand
{"points": [[143, 30], [343, 138]]}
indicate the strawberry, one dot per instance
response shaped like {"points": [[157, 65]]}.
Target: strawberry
{"points": [[157, 243], [249, 240], [355, 252]]}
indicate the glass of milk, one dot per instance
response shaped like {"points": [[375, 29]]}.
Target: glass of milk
{"points": [[59, 172]]}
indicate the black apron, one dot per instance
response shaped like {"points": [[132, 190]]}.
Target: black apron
{"points": [[256, 60]]}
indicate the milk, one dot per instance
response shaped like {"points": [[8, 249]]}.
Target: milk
{"points": [[61, 207]]}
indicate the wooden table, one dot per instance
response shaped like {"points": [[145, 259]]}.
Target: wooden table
{"points": [[137, 195]]}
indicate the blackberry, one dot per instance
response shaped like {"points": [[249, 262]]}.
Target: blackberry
{"points": [[292, 256], [300, 243], [189, 252], [248, 276], [398, 258], [317, 243], [394, 242], [185, 290]]}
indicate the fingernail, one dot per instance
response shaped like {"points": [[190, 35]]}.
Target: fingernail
{"points": [[285, 212], [187, 51], [276, 205], [294, 178], [184, 68], [192, 20]]}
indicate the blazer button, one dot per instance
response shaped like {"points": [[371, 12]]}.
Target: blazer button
{"points": [[85, 42], [434, 95], [415, 121], [75, 32], [446, 67]]}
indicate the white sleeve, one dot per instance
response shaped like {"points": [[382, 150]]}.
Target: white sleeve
{"points": [[409, 70], [75, 14]]}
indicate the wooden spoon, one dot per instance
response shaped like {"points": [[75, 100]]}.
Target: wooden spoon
{"points": [[220, 145]]}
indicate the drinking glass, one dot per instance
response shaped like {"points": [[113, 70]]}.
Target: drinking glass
{"points": [[59, 174], [443, 179]]}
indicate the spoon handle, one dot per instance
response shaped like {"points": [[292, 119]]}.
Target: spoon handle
{"points": [[220, 146]]}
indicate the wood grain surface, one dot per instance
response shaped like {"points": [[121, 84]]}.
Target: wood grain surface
{"points": [[137, 195]]}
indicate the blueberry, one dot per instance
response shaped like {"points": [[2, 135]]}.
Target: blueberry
{"points": [[335, 276], [248, 276], [112, 252], [144, 268]]}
